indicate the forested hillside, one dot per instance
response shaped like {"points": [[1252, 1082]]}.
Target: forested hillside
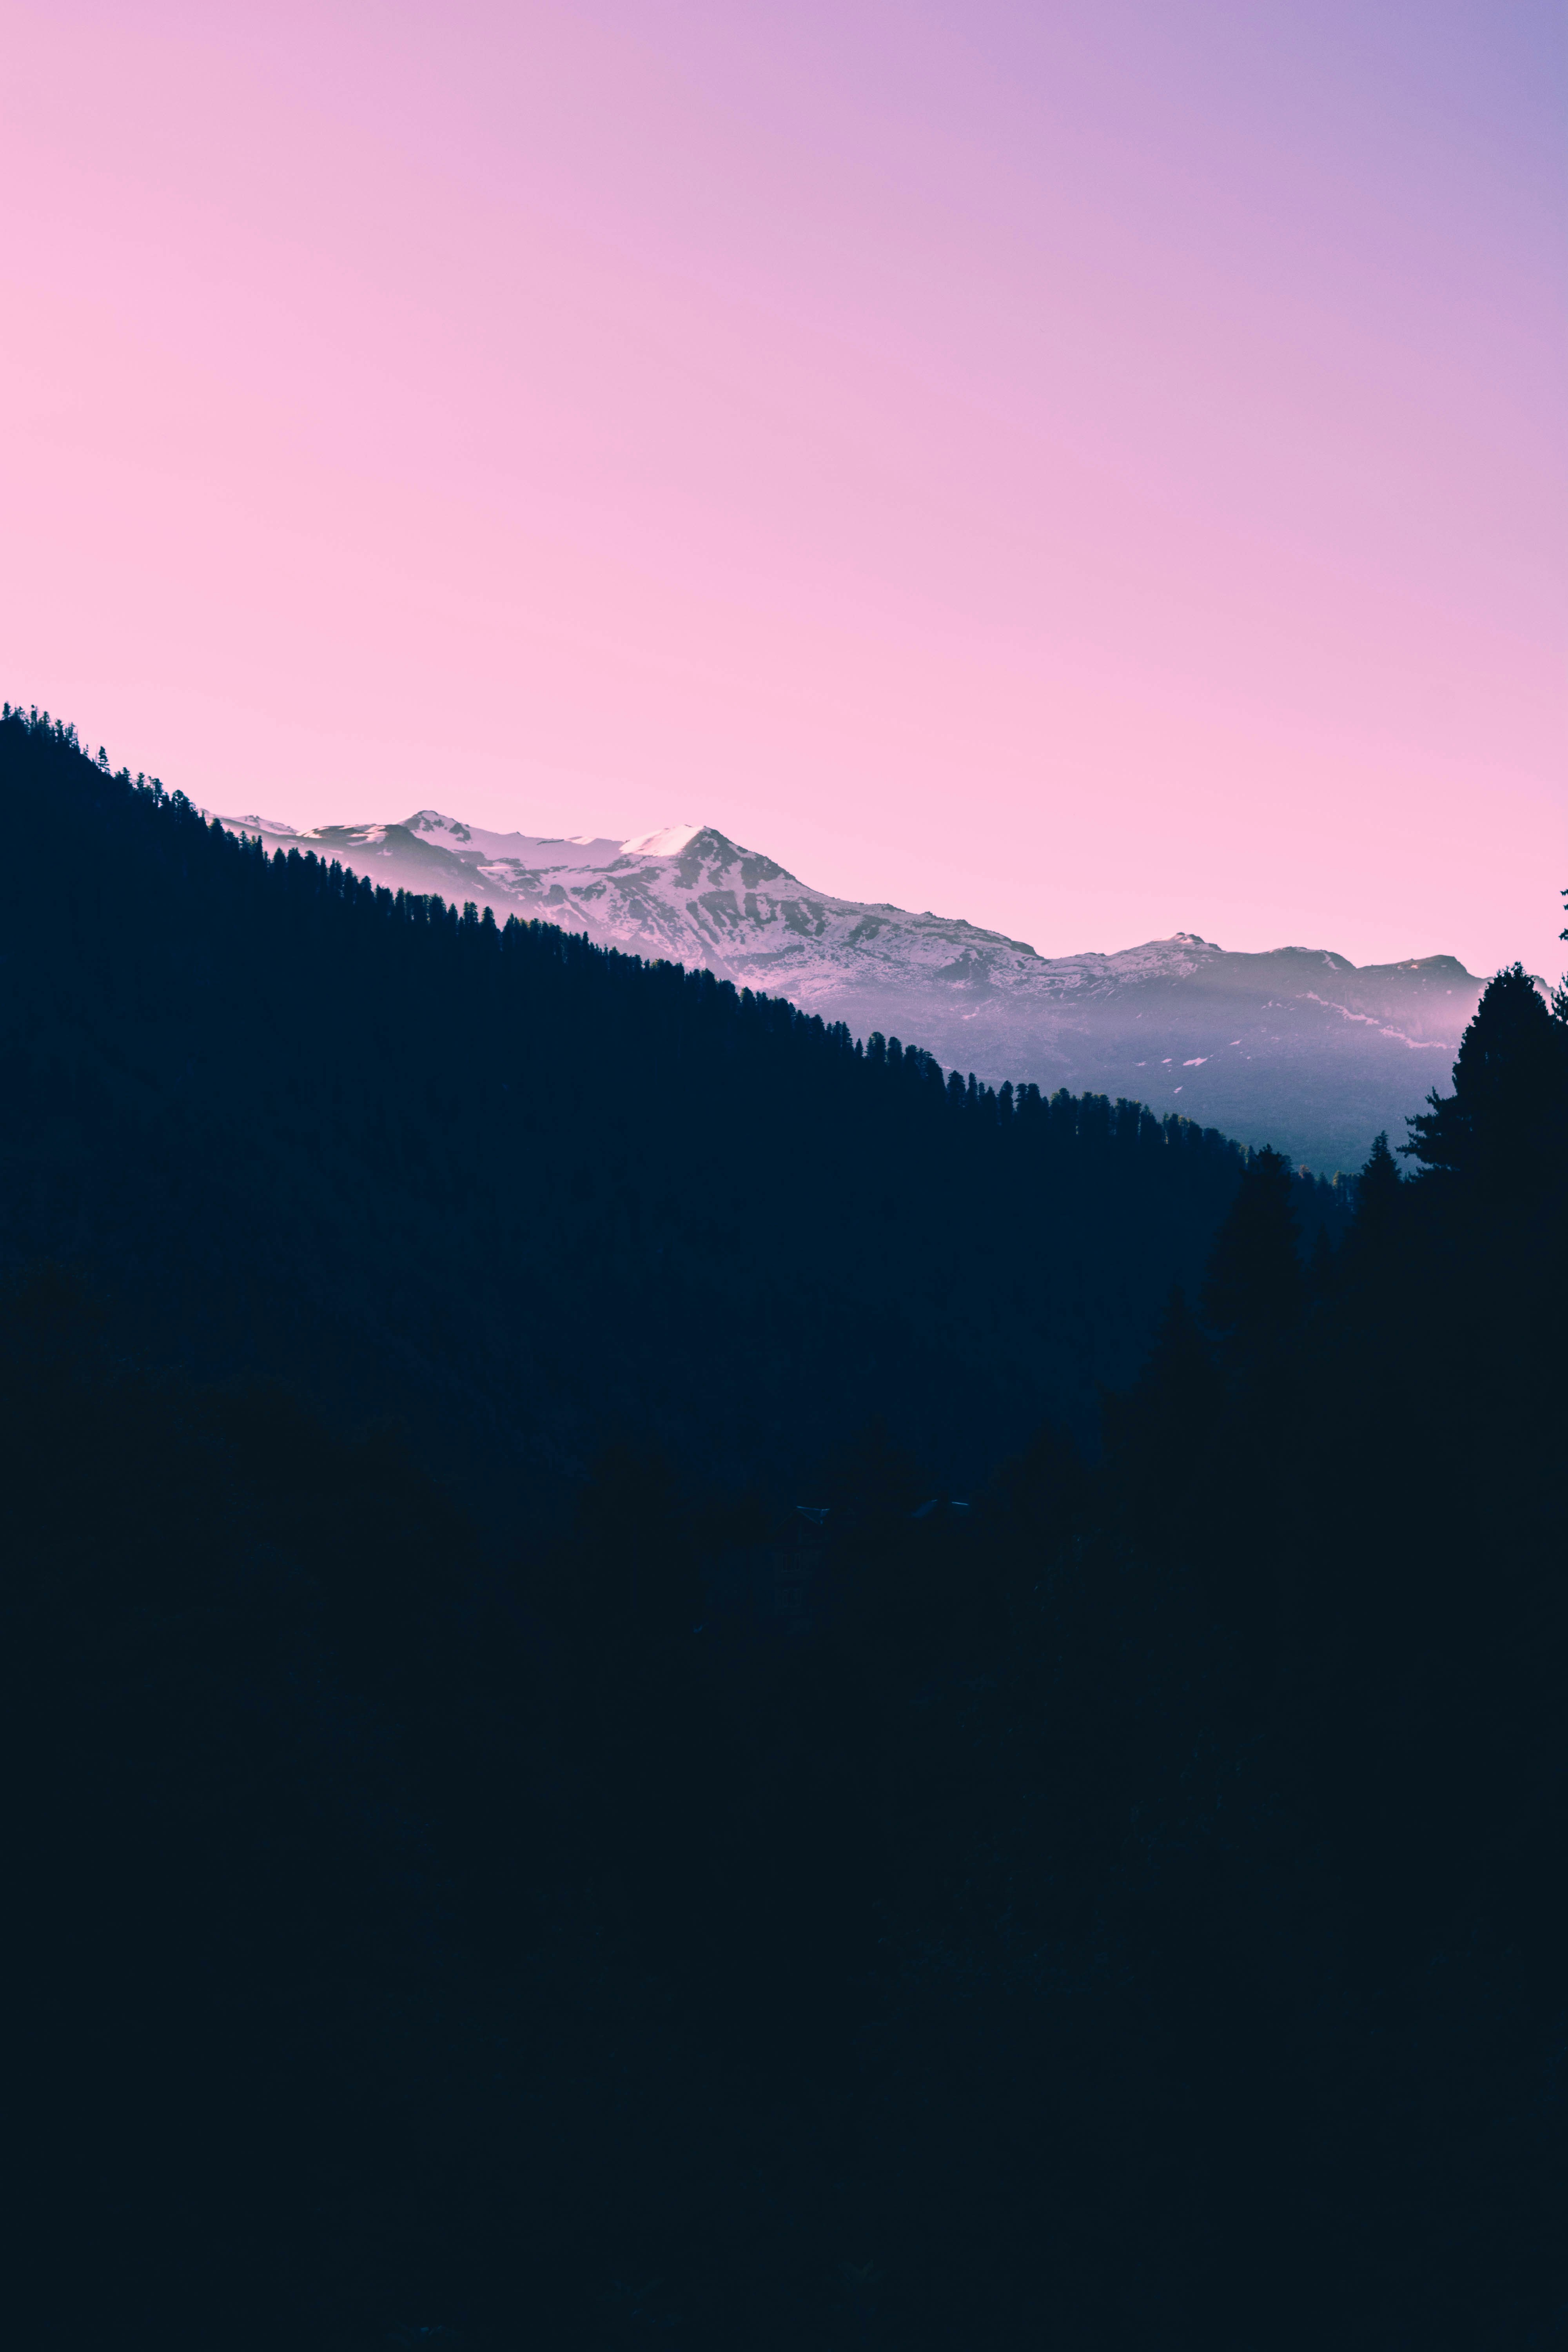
{"points": [[523, 1191], [1294, 1048], [1121, 1912]]}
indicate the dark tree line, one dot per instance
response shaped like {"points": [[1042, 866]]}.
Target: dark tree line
{"points": [[1125, 1915], [503, 1182]]}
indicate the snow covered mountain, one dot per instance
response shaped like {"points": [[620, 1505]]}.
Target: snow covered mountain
{"points": [[1296, 1047]]}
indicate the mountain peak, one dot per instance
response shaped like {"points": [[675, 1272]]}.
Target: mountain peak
{"points": [[1293, 1046], [669, 841], [254, 824]]}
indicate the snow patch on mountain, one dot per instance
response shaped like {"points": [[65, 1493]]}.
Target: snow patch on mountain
{"points": [[505, 849], [667, 843], [1327, 1054]]}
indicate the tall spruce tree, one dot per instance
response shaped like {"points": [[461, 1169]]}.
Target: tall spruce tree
{"points": [[1504, 1128], [1378, 1200], [1254, 1290]]}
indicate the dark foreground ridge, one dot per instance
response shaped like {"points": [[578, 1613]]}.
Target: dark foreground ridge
{"points": [[1112, 1905], [1296, 1048], [520, 1191]]}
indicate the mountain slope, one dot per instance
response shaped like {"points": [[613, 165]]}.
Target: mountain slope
{"points": [[1297, 1048], [1107, 1912], [506, 1183]]}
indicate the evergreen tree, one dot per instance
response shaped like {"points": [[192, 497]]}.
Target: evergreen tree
{"points": [[1254, 1291], [1378, 1201], [1157, 1434], [1504, 1128]]}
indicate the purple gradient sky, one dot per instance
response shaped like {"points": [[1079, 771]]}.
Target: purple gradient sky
{"points": [[1096, 467]]}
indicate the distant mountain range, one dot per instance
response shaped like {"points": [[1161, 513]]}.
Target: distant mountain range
{"points": [[1296, 1047]]}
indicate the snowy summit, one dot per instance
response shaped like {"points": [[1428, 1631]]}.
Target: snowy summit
{"points": [[1296, 1047]]}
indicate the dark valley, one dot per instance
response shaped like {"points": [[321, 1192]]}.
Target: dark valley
{"points": [[675, 1676]]}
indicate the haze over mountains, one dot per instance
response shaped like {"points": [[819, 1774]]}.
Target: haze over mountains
{"points": [[1297, 1048]]}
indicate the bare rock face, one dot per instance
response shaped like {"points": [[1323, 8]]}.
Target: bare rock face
{"points": [[1296, 1047]]}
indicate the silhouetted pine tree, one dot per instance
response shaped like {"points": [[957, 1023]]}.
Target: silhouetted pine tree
{"points": [[1380, 1219], [1163, 1423], [1254, 1290], [1505, 1127]]}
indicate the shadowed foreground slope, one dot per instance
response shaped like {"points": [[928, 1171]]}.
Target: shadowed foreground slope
{"points": [[508, 1184], [1123, 1913], [1296, 1047]]}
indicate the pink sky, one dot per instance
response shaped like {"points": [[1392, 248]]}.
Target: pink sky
{"points": [[1093, 467]]}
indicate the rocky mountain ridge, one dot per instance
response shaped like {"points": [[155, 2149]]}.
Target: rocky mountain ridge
{"points": [[1297, 1047]]}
